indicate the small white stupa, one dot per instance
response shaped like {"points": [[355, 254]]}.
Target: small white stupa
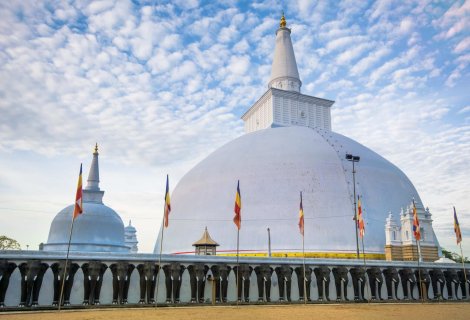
{"points": [[98, 229]]}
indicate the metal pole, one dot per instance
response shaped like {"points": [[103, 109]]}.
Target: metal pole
{"points": [[365, 268], [420, 259], [65, 268], [463, 266], [160, 259], [303, 261], [269, 242], [238, 263], [355, 209]]}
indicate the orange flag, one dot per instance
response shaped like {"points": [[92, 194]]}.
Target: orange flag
{"points": [[301, 216], [360, 220], [167, 202], [78, 209], [238, 208]]}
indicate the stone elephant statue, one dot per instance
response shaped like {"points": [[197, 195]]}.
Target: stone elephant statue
{"points": [[391, 280], [424, 281], [32, 273], [304, 283], [322, 275], [93, 272], [59, 271], [437, 276], [358, 276], [451, 277], [121, 279], [284, 276], [340, 274], [197, 279], [6, 269], [263, 277], [464, 278], [148, 279], [376, 281], [242, 277], [407, 276], [220, 273], [173, 276]]}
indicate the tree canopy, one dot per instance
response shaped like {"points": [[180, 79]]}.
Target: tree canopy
{"points": [[7, 243]]}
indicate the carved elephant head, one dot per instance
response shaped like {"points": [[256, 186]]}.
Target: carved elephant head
{"points": [[322, 273], [32, 273], [197, 279], [375, 274], [340, 273], [148, 277], [173, 276], [6, 269], [451, 277], [93, 272], [59, 271], [121, 277], [244, 271]]}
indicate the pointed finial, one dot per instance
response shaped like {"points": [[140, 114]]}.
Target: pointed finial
{"points": [[283, 21], [96, 148]]}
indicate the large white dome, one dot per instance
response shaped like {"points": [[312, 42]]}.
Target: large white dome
{"points": [[273, 166], [98, 228]]}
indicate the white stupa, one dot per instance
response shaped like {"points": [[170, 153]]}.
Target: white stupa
{"points": [[288, 148], [98, 229]]}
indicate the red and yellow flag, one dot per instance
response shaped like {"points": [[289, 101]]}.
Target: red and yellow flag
{"points": [[458, 233], [238, 208], [360, 220], [301, 216], [416, 229], [78, 209], [167, 203]]}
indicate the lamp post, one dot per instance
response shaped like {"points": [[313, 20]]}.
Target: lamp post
{"points": [[269, 242], [354, 159]]}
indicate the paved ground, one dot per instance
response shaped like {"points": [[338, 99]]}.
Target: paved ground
{"points": [[408, 311]]}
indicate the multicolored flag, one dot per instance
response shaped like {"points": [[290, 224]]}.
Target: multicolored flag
{"points": [[238, 207], [360, 220], [167, 202], [78, 209], [416, 229], [458, 233], [301, 216]]}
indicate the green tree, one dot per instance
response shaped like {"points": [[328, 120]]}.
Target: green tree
{"points": [[454, 256], [9, 244]]}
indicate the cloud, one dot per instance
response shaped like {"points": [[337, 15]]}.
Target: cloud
{"points": [[462, 45]]}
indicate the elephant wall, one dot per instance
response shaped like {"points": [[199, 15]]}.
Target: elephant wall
{"points": [[185, 275]]}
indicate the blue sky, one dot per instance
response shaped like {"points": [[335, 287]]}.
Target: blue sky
{"points": [[159, 85]]}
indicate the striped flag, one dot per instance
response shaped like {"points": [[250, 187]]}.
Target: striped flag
{"points": [[301, 216], [167, 202], [78, 209], [416, 229], [238, 207], [458, 234], [360, 220]]}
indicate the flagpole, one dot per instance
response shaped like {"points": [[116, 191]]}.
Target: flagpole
{"points": [[303, 255], [419, 272], [66, 262], [463, 266], [78, 196], [160, 260], [365, 268], [238, 262]]}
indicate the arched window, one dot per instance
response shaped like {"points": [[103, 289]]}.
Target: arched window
{"points": [[394, 236]]}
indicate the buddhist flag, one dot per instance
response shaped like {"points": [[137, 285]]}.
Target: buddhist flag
{"points": [[360, 220], [458, 234], [167, 202], [79, 196], [416, 230], [301, 216], [238, 207]]}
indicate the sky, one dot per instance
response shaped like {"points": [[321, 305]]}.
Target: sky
{"points": [[159, 85]]}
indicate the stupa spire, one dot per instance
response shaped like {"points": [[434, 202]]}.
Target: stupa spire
{"points": [[93, 182], [284, 72]]}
